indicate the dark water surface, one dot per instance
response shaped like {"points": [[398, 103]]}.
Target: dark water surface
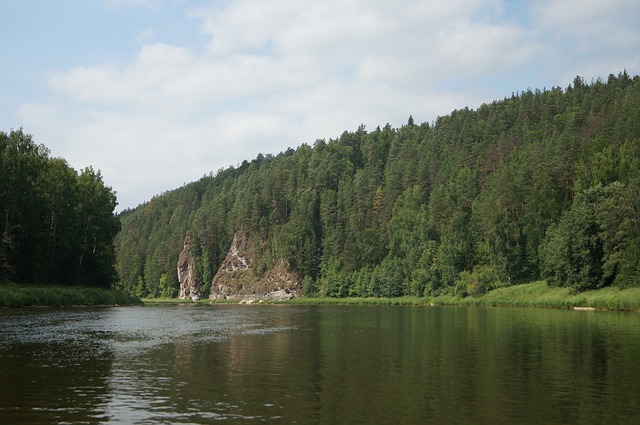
{"points": [[318, 365]]}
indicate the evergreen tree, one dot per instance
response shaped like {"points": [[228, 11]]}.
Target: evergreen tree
{"points": [[543, 183]]}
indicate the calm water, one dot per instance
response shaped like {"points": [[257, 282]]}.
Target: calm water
{"points": [[319, 365]]}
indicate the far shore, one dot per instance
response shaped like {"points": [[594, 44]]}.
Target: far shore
{"points": [[535, 294]]}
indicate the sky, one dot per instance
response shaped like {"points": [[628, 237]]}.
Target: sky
{"points": [[158, 93]]}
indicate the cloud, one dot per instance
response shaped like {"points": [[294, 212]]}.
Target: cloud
{"points": [[145, 35], [589, 38], [277, 74], [586, 17], [340, 36]]}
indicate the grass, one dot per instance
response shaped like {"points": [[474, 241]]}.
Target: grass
{"points": [[301, 300], [14, 296], [185, 301], [408, 300], [536, 294]]}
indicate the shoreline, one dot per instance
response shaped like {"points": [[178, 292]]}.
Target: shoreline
{"points": [[41, 296], [533, 295]]}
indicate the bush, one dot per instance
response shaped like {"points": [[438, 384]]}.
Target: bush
{"points": [[477, 283]]}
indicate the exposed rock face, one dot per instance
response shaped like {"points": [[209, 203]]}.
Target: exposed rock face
{"points": [[189, 283], [236, 279]]}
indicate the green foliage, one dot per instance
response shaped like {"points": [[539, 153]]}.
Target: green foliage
{"points": [[333, 282], [585, 250], [483, 279], [28, 295], [629, 274], [57, 226], [535, 294], [543, 183]]}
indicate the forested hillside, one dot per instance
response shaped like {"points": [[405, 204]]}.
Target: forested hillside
{"points": [[56, 225], [542, 184]]}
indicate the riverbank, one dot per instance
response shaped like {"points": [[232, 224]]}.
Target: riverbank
{"points": [[535, 294], [15, 296], [538, 294]]}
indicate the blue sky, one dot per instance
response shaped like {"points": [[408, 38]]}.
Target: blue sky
{"points": [[157, 93]]}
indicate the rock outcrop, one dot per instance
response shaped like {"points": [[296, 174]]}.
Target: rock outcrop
{"points": [[236, 279], [188, 280]]}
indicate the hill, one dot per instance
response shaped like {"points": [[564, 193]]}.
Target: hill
{"points": [[542, 184]]}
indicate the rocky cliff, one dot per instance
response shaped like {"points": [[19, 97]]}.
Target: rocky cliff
{"points": [[237, 280], [188, 280]]}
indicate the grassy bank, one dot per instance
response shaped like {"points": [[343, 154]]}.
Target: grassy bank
{"points": [[187, 301], [536, 294], [14, 296]]}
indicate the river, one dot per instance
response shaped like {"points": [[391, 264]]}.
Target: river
{"points": [[201, 364]]}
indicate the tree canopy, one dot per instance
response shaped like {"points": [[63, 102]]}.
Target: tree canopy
{"points": [[542, 184], [56, 225]]}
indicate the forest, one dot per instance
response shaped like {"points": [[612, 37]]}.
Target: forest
{"points": [[57, 226], [544, 184]]}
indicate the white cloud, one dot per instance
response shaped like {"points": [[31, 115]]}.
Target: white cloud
{"points": [[279, 73], [145, 35], [586, 17], [589, 38]]}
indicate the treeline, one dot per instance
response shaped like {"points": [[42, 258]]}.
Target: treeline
{"points": [[542, 184], [56, 225]]}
